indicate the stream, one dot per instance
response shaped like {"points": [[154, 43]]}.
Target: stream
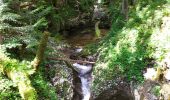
{"points": [[82, 73], [75, 81]]}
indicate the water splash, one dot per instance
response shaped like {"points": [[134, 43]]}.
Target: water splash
{"points": [[85, 88], [85, 77], [82, 69]]}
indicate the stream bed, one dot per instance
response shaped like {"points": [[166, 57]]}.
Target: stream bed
{"points": [[81, 38], [82, 75], [82, 70]]}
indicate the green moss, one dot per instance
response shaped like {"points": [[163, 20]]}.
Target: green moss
{"points": [[156, 90], [97, 30], [17, 73], [8, 90], [26, 90]]}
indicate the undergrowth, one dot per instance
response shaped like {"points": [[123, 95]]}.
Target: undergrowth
{"points": [[128, 47], [8, 90], [44, 88]]}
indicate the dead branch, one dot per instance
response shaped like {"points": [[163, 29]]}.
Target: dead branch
{"points": [[71, 60]]}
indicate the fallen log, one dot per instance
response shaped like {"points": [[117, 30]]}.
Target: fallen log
{"points": [[71, 60], [13, 70]]}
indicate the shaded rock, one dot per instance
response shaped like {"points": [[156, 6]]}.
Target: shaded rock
{"points": [[117, 92]]}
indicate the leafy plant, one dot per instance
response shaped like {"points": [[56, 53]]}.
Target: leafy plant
{"points": [[125, 51], [8, 90], [44, 88]]}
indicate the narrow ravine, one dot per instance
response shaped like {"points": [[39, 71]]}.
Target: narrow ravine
{"points": [[82, 65], [82, 72]]}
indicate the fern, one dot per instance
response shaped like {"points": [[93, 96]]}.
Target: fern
{"points": [[40, 23], [4, 8], [8, 19]]}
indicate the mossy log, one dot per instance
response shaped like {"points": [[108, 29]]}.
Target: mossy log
{"points": [[20, 77], [23, 82], [11, 68]]}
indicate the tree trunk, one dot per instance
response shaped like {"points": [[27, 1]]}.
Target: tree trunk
{"points": [[40, 52], [125, 8]]}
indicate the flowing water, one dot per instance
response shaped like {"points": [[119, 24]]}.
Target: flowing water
{"points": [[83, 72]]}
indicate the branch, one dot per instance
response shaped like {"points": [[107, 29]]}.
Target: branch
{"points": [[71, 60]]}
